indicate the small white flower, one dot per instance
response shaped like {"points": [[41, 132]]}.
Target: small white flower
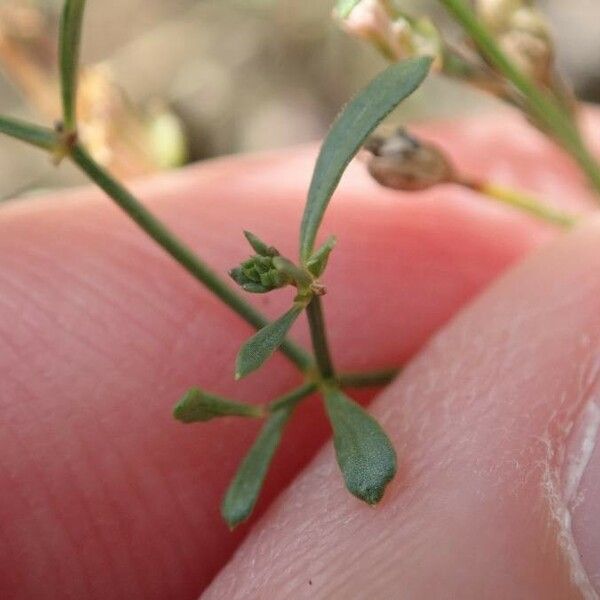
{"points": [[392, 33], [496, 14], [523, 34]]}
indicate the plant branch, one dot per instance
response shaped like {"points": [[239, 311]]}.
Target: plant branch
{"points": [[363, 379], [543, 108], [69, 46], [291, 399], [42, 137], [179, 251], [522, 202], [316, 323]]}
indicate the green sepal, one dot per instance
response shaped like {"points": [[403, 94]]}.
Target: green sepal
{"points": [[68, 50], [348, 133], [197, 405], [364, 452], [288, 269], [263, 343], [259, 246], [317, 263], [243, 492]]}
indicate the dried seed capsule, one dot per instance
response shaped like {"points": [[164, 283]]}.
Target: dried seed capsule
{"points": [[402, 162]]}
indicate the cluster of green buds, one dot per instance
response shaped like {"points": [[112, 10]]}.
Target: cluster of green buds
{"points": [[262, 272], [394, 33], [523, 33], [267, 270]]}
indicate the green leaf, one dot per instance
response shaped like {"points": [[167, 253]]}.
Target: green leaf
{"points": [[197, 405], [69, 45], [356, 122], [345, 7], [262, 345], [317, 263], [259, 246], [364, 452], [41, 137], [243, 492]]}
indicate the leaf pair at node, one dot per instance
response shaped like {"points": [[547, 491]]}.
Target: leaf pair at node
{"points": [[244, 490], [364, 453]]}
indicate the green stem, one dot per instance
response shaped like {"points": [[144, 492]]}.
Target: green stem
{"points": [[42, 137], [68, 50], [291, 399], [522, 202], [179, 251], [543, 108], [316, 323], [367, 378]]}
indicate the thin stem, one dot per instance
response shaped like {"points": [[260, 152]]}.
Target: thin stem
{"points": [[291, 399], [367, 378], [522, 202], [68, 50], [543, 108], [316, 323], [42, 137], [179, 251]]}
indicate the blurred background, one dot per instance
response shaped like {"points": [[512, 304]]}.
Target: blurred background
{"points": [[174, 81]]}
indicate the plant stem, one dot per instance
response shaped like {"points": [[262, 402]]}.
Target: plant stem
{"points": [[68, 50], [543, 107], [522, 202], [367, 378], [179, 251], [292, 398], [316, 323], [42, 137]]}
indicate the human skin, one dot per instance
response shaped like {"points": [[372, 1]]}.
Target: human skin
{"points": [[105, 496]]}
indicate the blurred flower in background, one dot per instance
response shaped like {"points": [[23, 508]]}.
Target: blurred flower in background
{"points": [[170, 81]]}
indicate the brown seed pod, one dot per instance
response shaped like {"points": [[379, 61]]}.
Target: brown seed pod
{"points": [[402, 162]]}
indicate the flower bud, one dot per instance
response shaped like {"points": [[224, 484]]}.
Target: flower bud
{"points": [[259, 275], [523, 33], [391, 32], [402, 162], [496, 14], [533, 55]]}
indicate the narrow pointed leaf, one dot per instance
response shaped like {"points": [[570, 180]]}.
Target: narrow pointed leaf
{"points": [[262, 345], [197, 405], [41, 137], [317, 263], [355, 123], [364, 452], [243, 492], [69, 45]]}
